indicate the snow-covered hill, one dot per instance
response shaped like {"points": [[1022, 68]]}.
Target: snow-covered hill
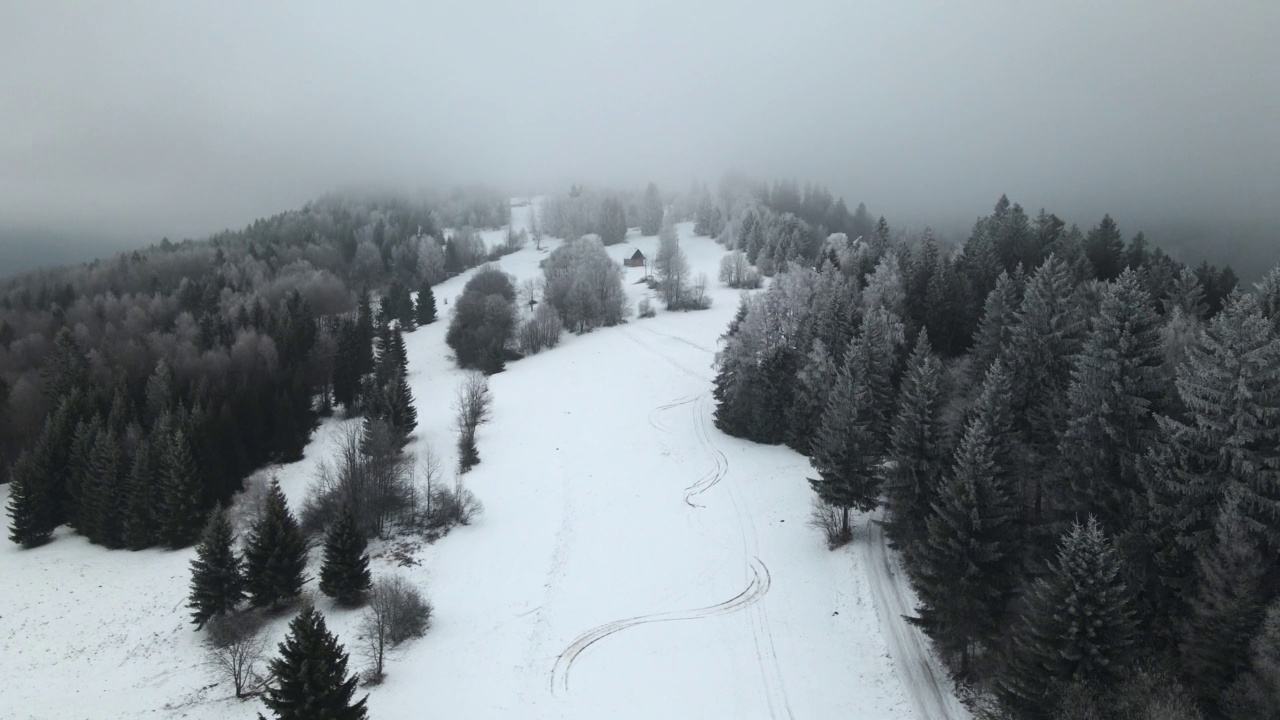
{"points": [[632, 562]]}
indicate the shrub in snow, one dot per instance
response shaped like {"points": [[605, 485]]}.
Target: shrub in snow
{"points": [[397, 612], [540, 331], [234, 650], [484, 321]]}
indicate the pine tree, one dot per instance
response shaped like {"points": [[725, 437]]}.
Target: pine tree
{"points": [[179, 512], [139, 524], [878, 343], [1104, 247], [1256, 692], [1269, 298], [996, 328], [1046, 334], [275, 554], [1187, 295], [651, 211], [970, 548], [916, 446], [344, 575], [32, 502], [217, 586], [1078, 626], [310, 676], [101, 505], [845, 450], [346, 367], [1115, 385], [813, 385], [1227, 608], [77, 469], [426, 309], [364, 334], [400, 412], [1230, 386]]}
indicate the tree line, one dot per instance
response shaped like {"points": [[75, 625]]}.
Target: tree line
{"points": [[1074, 439], [136, 393]]}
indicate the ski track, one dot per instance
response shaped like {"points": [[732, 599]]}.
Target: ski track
{"points": [[924, 679], [655, 415], [755, 590]]}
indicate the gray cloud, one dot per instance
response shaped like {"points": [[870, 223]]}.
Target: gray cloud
{"points": [[160, 118]]}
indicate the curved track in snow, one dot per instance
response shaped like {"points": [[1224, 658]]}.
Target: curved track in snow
{"points": [[755, 590]]}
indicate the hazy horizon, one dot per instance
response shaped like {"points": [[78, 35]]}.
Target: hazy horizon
{"points": [[130, 122]]}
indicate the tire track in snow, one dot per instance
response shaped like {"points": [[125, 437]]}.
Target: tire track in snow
{"points": [[762, 635], [922, 677], [755, 590], [720, 462], [654, 415], [677, 338]]}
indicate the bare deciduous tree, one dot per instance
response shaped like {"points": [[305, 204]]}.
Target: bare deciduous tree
{"points": [[472, 408], [234, 650], [369, 474], [397, 611]]}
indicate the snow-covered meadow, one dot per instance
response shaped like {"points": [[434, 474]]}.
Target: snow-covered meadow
{"points": [[631, 561]]}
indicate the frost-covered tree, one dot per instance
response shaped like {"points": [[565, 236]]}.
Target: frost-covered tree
{"points": [[672, 268], [1046, 335], [1078, 625], [1227, 608], [814, 381], [584, 285], [845, 452], [1256, 691], [1230, 438], [651, 211], [969, 549], [995, 330], [885, 289], [916, 443], [878, 342], [217, 585], [1115, 386]]}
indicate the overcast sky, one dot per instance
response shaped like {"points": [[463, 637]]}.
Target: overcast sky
{"points": [[180, 118]]}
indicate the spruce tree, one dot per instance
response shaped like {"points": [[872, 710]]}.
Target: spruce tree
{"points": [[813, 385], [400, 412], [845, 450], [180, 491], [344, 574], [1077, 627], [310, 677], [78, 470], [275, 554], [217, 585], [32, 502], [139, 523], [101, 506], [881, 336], [1227, 608], [1045, 336], [996, 328], [916, 447], [364, 334], [426, 309], [1115, 385], [969, 551], [1230, 386], [346, 367]]}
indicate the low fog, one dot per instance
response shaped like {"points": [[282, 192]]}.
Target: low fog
{"points": [[125, 122]]}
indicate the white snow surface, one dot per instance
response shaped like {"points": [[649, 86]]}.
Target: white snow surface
{"points": [[632, 561]]}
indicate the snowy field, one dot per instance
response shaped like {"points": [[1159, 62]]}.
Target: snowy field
{"points": [[631, 562]]}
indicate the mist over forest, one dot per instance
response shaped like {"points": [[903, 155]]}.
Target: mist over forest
{"points": [[152, 120]]}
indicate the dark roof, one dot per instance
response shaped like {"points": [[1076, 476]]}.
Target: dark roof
{"points": [[638, 256]]}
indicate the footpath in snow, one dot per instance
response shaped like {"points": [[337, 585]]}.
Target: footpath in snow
{"points": [[631, 562]]}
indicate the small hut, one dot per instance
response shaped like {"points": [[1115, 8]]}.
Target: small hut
{"points": [[636, 260]]}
